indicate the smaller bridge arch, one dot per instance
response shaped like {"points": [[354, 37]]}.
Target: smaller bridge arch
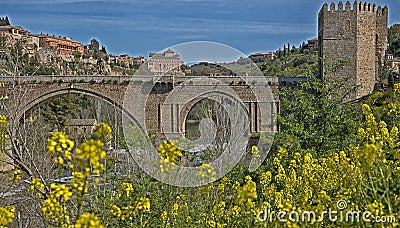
{"points": [[184, 112]]}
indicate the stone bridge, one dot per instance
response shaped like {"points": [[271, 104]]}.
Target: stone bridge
{"points": [[21, 95]]}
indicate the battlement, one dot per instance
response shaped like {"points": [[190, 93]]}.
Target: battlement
{"points": [[357, 6]]}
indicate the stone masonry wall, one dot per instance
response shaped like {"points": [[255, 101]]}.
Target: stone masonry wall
{"points": [[366, 49]]}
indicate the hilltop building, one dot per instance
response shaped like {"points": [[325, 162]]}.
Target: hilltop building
{"points": [[352, 44], [266, 55], [164, 63], [312, 43], [63, 45]]}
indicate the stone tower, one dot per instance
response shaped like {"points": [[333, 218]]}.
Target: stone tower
{"points": [[352, 44]]}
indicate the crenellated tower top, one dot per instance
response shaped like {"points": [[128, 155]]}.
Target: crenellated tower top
{"points": [[357, 6]]}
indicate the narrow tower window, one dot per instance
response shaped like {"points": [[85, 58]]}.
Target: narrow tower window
{"points": [[347, 26]]}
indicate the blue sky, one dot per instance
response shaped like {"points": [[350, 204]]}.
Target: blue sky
{"points": [[138, 27]]}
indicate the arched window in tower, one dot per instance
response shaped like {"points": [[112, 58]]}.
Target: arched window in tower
{"points": [[347, 26]]}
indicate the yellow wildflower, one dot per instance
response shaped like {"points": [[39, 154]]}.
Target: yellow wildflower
{"points": [[36, 184], [206, 173], [175, 209], [6, 215], [127, 187], [247, 193], [255, 152], [115, 211], [88, 220], [143, 204], [91, 152]]}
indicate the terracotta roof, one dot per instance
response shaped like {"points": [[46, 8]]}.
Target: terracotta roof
{"points": [[66, 38]]}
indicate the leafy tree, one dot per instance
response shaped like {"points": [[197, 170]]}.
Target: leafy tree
{"points": [[314, 118], [94, 45], [59, 109], [297, 64], [394, 39], [294, 49], [77, 57]]}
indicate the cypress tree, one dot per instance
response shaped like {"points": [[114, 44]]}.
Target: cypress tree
{"points": [[284, 50]]}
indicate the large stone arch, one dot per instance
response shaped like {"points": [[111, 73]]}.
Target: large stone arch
{"points": [[46, 96]]}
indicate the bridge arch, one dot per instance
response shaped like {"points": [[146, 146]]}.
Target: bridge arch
{"points": [[51, 94], [192, 103]]}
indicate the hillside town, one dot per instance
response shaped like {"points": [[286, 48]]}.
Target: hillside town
{"points": [[59, 55]]}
